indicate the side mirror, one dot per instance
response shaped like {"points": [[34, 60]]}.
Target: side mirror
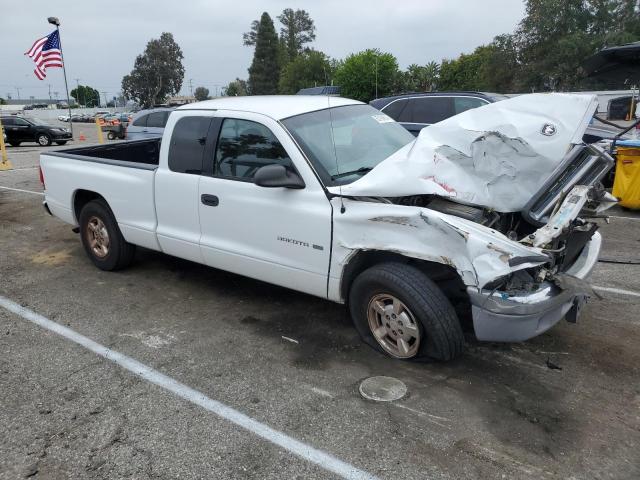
{"points": [[272, 176]]}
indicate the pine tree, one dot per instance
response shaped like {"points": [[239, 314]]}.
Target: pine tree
{"points": [[264, 72]]}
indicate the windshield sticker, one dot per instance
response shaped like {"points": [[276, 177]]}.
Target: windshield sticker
{"points": [[382, 118]]}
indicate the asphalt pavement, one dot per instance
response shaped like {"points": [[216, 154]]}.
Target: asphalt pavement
{"points": [[160, 365]]}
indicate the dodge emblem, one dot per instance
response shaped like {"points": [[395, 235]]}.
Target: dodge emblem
{"points": [[548, 129]]}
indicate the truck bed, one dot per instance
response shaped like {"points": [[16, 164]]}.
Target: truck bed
{"points": [[122, 173], [136, 154]]}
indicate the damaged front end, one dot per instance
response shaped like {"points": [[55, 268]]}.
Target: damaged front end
{"points": [[504, 195], [560, 240]]}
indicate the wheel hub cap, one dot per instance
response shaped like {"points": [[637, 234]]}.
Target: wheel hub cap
{"points": [[393, 326], [98, 237]]}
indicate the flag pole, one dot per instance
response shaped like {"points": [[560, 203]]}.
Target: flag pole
{"points": [[55, 21]]}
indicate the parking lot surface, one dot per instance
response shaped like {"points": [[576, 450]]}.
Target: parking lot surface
{"points": [[563, 405]]}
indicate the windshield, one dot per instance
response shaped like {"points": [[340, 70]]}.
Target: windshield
{"points": [[344, 143]]}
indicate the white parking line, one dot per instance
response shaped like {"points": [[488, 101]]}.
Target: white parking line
{"points": [[21, 190], [302, 450], [617, 290]]}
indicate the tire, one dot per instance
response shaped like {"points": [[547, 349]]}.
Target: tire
{"points": [[426, 323], [115, 253], [111, 135], [43, 139], [15, 144], [61, 143]]}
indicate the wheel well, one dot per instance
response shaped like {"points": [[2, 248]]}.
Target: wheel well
{"points": [[445, 276], [81, 198]]}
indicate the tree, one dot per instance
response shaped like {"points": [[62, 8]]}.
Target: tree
{"points": [[297, 30], [236, 88], [2, 101], [85, 95], [466, 71], [360, 72], [500, 68], [309, 69], [264, 71], [431, 75], [201, 94], [157, 73], [420, 78]]}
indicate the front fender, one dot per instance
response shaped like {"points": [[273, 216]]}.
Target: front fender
{"points": [[479, 254]]}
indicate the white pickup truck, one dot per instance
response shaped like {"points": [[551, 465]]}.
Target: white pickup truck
{"points": [[481, 220]]}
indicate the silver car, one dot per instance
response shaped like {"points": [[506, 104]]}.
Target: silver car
{"points": [[148, 123]]}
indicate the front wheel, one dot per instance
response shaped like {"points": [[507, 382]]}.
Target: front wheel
{"points": [[43, 140], [111, 135], [399, 311], [101, 237]]}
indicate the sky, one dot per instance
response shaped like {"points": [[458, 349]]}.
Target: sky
{"points": [[101, 40]]}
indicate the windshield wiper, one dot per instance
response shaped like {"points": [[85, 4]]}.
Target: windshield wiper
{"points": [[352, 172]]}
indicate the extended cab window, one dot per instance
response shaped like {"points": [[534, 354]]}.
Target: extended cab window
{"points": [[157, 119], [188, 141], [245, 146], [140, 121]]}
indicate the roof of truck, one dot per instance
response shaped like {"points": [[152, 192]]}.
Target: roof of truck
{"points": [[277, 107]]}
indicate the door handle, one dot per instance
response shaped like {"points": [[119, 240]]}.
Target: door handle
{"points": [[210, 200]]}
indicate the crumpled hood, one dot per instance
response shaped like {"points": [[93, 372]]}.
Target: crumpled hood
{"points": [[497, 156]]}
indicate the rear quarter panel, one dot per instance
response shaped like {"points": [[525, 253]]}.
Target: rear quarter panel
{"points": [[129, 192]]}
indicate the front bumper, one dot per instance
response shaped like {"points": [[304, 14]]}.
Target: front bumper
{"points": [[499, 317]]}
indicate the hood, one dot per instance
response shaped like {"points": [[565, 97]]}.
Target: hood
{"points": [[497, 156]]}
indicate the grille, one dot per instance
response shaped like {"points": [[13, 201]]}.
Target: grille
{"points": [[583, 165]]}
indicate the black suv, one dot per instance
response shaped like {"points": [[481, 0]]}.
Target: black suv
{"points": [[417, 110], [20, 129]]}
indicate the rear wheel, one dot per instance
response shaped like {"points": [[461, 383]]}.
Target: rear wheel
{"points": [[111, 136], [399, 311], [101, 237], [43, 139]]}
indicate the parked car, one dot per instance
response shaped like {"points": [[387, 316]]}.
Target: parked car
{"points": [[20, 129], [278, 188], [148, 123], [75, 117], [414, 111]]}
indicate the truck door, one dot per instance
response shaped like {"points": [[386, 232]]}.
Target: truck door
{"points": [[278, 235], [176, 192]]}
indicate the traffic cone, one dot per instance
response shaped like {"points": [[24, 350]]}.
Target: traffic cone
{"points": [[82, 138]]}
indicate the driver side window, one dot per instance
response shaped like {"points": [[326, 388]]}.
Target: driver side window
{"points": [[245, 146]]}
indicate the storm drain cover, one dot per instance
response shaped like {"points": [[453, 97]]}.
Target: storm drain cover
{"points": [[382, 389]]}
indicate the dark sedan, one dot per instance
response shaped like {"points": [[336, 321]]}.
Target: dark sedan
{"points": [[20, 129]]}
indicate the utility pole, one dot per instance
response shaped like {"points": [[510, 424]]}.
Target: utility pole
{"points": [[78, 91], [104, 94], [56, 94], [18, 90], [49, 91], [376, 76], [191, 86]]}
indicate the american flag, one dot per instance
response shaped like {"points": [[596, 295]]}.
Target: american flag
{"points": [[46, 52]]}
